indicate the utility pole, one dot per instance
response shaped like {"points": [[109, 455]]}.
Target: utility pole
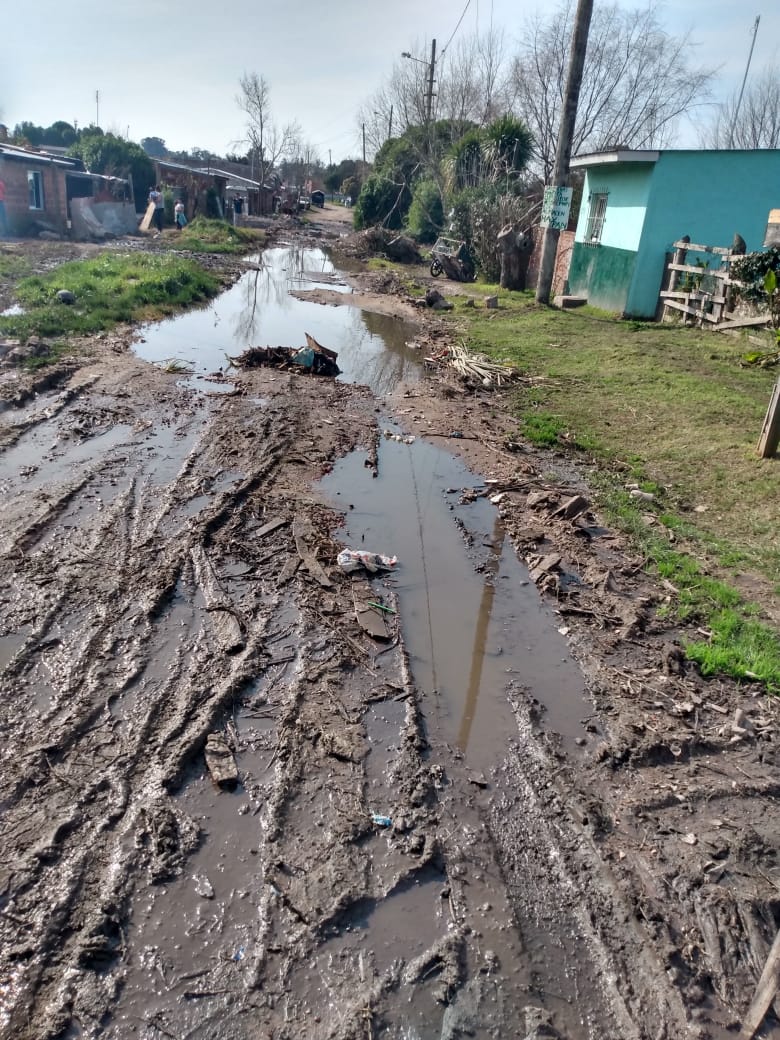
{"points": [[744, 81], [97, 108], [390, 124], [560, 177], [330, 157], [429, 102], [364, 149]]}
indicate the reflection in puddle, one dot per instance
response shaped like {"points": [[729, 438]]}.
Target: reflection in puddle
{"points": [[473, 623], [259, 311]]}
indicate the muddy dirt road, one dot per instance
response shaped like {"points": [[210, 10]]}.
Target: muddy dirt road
{"points": [[231, 812]]}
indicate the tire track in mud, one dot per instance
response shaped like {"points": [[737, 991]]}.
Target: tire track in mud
{"points": [[93, 806]]}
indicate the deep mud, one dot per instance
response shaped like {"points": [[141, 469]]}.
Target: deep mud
{"points": [[596, 858]]}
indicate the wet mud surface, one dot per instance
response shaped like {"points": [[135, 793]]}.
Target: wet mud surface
{"points": [[229, 812]]}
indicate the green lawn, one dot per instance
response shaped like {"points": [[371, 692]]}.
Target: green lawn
{"points": [[110, 288], [672, 409]]}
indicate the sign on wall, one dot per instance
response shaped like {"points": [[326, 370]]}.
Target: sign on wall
{"points": [[556, 206]]}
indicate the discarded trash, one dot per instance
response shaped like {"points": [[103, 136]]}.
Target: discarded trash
{"points": [[203, 886], [381, 606], [315, 358], [381, 821], [352, 559], [239, 954], [390, 436], [220, 762]]}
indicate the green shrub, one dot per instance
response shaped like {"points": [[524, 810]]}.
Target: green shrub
{"points": [[426, 213]]}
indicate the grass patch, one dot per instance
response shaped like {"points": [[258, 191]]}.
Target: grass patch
{"points": [[203, 235], [13, 266], [672, 409], [109, 289], [671, 403], [740, 645]]}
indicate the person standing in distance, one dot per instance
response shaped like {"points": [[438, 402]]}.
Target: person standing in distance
{"points": [[156, 196]]}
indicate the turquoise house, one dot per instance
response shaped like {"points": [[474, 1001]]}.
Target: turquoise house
{"points": [[635, 204]]}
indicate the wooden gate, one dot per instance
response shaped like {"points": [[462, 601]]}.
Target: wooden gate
{"points": [[703, 292]]}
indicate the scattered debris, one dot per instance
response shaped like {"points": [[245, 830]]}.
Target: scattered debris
{"points": [[220, 762], [353, 559], [314, 358], [381, 821], [474, 369]]}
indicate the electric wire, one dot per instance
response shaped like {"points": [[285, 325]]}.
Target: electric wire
{"points": [[463, 15]]}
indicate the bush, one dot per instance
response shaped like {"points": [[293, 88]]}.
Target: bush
{"points": [[381, 202], [478, 216], [426, 213]]}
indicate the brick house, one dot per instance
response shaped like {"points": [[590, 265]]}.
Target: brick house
{"points": [[41, 189]]}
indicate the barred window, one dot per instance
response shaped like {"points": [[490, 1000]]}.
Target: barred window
{"points": [[598, 211]]}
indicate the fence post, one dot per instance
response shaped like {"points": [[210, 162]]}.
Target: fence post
{"points": [[770, 432]]}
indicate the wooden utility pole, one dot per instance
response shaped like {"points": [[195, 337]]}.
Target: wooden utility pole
{"points": [[560, 177], [364, 149], [390, 124], [429, 101], [744, 81]]}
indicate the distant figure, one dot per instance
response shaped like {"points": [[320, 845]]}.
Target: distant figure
{"points": [[3, 218], [156, 196], [238, 205], [179, 215]]}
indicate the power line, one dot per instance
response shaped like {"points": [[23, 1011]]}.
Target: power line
{"points": [[446, 45]]}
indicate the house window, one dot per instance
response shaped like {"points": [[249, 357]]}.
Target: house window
{"points": [[598, 211], [35, 189]]}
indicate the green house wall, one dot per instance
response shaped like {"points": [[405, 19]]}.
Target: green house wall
{"points": [[709, 196]]}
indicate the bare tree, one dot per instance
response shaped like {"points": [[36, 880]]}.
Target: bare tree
{"points": [[638, 80], [756, 124], [267, 143], [472, 84]]}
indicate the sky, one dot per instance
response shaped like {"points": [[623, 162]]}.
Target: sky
{"points": [[171, 70]]}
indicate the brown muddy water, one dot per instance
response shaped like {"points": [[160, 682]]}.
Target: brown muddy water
{"points": [[259, 311], [473, 623]]}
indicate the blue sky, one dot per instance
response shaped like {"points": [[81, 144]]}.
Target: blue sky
{"points": [[171, 70]]}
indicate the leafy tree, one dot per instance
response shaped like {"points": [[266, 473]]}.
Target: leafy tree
{"points": [[115, 157], [426, 213], [154, 146], [380, 202]]}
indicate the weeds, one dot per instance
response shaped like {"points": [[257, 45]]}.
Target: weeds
{"points": [[109, 289], [203, 235]]}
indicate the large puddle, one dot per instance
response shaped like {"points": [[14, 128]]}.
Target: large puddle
{"points": [[258, 311], [473, 623]]}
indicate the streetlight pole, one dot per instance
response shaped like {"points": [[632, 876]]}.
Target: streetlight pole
{"points": [[431, 66]]}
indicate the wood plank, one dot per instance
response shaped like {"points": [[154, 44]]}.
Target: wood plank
{"points": [[695, 312], [677, 294], [302, 531], [370, 619], [730, 322], [765, 992], [717, 272], [272, 525], [770, 432], [147, 220], [691, 247]]}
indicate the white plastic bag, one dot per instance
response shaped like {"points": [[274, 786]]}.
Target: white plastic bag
{"points": [[352, 559]]}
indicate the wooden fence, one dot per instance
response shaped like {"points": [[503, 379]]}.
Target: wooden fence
{"points": [[702, 293]]}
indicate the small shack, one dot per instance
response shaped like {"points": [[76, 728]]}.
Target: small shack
{"points": [[203, 192], [636, 204], [53, 194]]}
